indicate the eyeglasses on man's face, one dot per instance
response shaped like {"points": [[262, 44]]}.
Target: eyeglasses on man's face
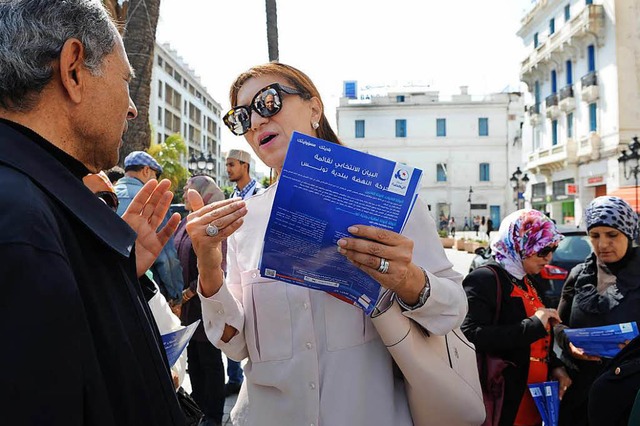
{"points": [[267, 103]]}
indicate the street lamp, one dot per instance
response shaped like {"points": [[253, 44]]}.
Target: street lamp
{"points": [[519, 185], [633, 170], [198, 166], [469, 201]]}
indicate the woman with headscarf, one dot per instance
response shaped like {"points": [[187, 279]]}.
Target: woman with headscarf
{"points": [[603, 290], [524, 243], [206, 370]]}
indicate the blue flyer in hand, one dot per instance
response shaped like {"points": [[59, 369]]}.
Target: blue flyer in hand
{"points": [[537, 392], [323, 189], [552, 402], [176, 341], [605, 341]]}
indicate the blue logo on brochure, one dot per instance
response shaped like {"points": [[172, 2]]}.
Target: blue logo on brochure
{"points": [[403, 175]]}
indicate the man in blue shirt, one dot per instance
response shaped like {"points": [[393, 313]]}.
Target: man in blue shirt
{"points": [[140, 168]]}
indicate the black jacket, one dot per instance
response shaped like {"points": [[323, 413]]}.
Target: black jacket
{"points": [[510, 340], [580, 306], [81, 346]]}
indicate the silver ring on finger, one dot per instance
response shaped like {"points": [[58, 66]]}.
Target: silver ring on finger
{"points": [[212, 230], [384, 266]]}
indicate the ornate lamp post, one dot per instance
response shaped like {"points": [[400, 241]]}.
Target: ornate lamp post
{"points": [[634, 169], [200, 165], [519, 185]]}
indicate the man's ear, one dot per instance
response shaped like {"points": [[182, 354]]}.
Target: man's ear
{"points": [[73, 72]]}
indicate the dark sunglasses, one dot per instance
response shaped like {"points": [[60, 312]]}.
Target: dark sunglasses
{"points": [[545, 251], [109, 198], [267, 103]]}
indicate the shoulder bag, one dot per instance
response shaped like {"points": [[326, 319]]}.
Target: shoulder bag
{"points": [[491, 368], [440, 372], [189, 407]]}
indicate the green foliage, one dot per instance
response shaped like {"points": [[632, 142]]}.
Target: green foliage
{"points": [[265, 181], [443, 233], [168, 154], [228, 190]]}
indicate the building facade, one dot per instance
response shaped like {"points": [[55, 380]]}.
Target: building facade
{"points": [[582, 77], [467, 147], [180, 104]]}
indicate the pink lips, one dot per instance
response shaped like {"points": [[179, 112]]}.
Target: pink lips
{"points": [[265, 135]]}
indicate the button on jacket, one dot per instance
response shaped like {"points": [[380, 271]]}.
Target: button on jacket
{"points": [[313, 359]]}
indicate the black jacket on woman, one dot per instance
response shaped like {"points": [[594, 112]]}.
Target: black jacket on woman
{"points": [[581, 307], [511, 339]]}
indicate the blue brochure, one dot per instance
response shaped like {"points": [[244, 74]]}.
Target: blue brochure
{"points": [[552, 402], [605, 341], [175, 342], [323, 189], [537, 392]]}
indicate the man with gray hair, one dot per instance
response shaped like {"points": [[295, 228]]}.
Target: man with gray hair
{"points": [[81, 345]]}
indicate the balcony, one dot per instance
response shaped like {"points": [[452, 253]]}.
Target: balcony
{"points": [[534, 114], [553, 159], [589, 148], [551, 102], [590, 91], [566, 100], [572, 36]]}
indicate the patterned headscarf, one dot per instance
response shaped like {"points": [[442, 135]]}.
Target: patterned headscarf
{"points": [[522, 234], [207, 188], [613, 212]]}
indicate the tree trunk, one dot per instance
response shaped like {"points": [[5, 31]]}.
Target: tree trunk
{"points": [[139, 42], [272, 30], [118, 11]]}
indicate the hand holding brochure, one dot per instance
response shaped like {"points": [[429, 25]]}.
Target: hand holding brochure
{"points": [[605, 341], [176, 341], [323, 189]]}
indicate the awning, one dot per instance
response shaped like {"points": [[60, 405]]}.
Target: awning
{"points": [[627, 193]]}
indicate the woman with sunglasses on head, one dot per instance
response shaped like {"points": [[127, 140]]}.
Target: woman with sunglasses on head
{"points": [[312, 358], [520, 334], [603, 290]]}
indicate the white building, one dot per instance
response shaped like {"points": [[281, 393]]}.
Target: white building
{"points": [[180, 104], [461, 143], [582, 73]]}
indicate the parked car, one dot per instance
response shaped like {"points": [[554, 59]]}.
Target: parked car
{"points": [[572, 250], [178, 208]]}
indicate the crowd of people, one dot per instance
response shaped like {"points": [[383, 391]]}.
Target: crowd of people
{"points": [[95, 269]]}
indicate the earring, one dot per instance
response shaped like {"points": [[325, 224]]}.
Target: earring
{"points": [[315, 125]]}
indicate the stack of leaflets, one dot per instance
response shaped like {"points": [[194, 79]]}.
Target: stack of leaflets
{"points": [[605, 341], [176, 341], [323, 189], [547, 399]]}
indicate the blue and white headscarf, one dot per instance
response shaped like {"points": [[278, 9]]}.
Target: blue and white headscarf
{"points": [[522, 234], [613, 212]]}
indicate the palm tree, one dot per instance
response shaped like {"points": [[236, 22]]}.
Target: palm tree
{"points": [[272, 30], [140, 19]]}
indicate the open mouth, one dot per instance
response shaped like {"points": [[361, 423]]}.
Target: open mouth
{"points": [[267, 140]]}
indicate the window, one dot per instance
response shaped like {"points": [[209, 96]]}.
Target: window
{"points": [[536, 93], [483, 126], [554, 81], [359, 128], [554, 132], [552, 26], [401, 128], [569, 72], [593, 117], [589, 2], [591, 57], [441, 127], [484, 172], [159, 115], [570, 125], [567, 13], [159, 89], [441, 172], [400, 98], [351, 89], [536, 41]]}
